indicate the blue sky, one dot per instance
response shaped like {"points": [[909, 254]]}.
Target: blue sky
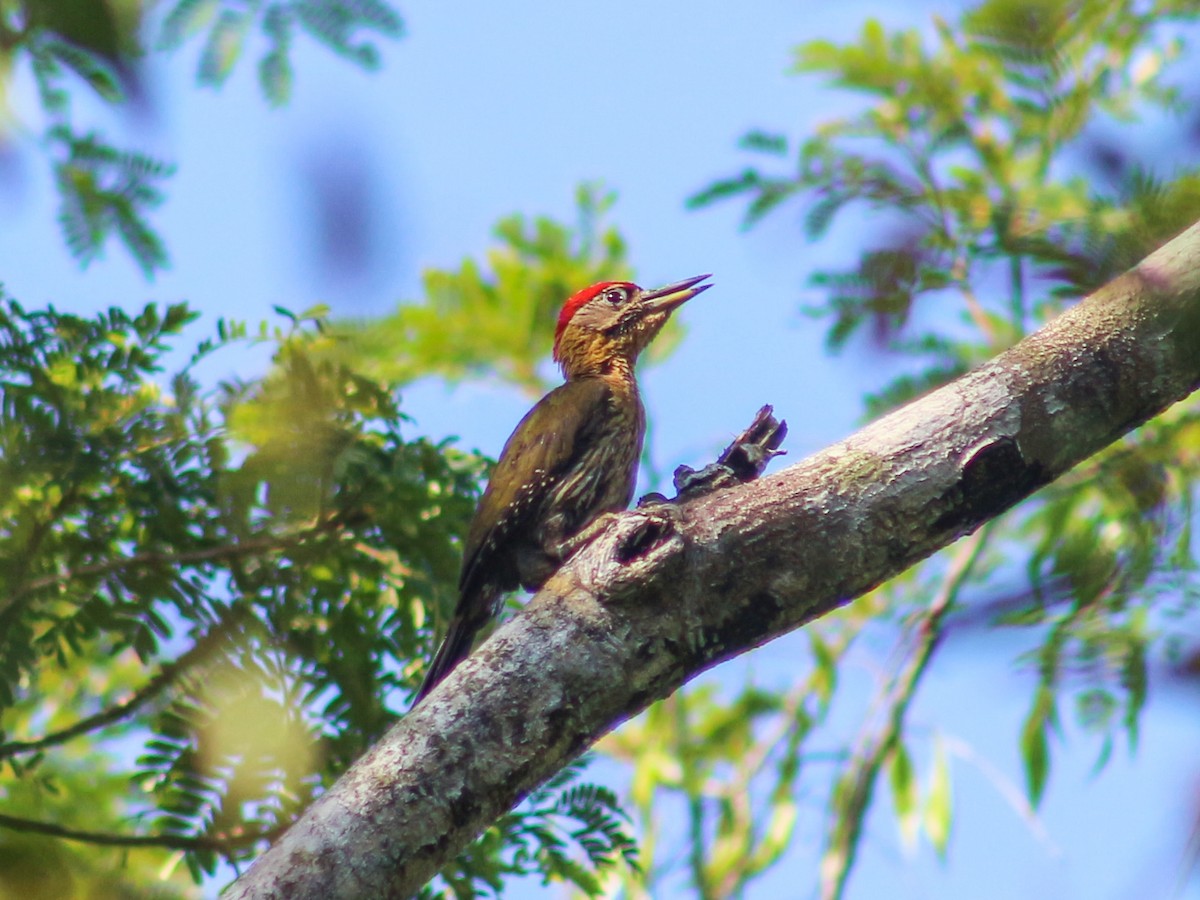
{"points": [[483, 110]]}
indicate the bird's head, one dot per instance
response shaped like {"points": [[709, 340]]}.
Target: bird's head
{"points": [[610, 323]]}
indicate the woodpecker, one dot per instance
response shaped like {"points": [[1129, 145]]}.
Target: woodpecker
{"points": [[571, 459]]}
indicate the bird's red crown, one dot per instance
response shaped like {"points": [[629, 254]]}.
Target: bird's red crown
{"points": [[580, 299]]}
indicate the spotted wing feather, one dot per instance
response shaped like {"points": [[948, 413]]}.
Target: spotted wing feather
{"points": [[543, 449], [538, 459]]}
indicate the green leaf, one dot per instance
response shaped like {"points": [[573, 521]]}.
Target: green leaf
{"points": [[186, 18], [105, 190], [825, 674], [938, 812], [1134, 678], [275, 69], [764, 142], [1035, 750], [724, 189], [92, 67], [223, 47], [903, 782]]}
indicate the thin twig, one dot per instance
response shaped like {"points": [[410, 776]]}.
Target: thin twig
{"points": [[224, 844], [695, 798], [1007, 790], [248, 547], [859, 783], [977, 313]]}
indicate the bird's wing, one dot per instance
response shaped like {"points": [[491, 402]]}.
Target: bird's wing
{"points": [[543, 446]]}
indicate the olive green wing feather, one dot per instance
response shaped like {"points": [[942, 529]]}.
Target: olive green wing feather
{"points": [[543, 447]]}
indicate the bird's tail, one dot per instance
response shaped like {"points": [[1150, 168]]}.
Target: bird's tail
{"points": [[468, 619]]}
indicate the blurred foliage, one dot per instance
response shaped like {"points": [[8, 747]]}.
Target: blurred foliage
{"points": [[493, 320], [975, 153], [538, 839], [242, 582], [102, 190], [226, 24], [99, 45]]}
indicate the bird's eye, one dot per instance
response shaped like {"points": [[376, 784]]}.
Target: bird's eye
{"points": [[615, 296]]}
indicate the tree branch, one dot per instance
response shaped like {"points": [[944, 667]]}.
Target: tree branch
{"points": [[270, 543], [219, 844], [670, 591]]}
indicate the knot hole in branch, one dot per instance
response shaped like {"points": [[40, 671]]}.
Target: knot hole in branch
{"points": [[650, 529]]}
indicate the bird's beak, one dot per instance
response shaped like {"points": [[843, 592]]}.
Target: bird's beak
{"points": [[665, 299]]}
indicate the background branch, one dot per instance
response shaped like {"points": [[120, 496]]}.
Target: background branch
{"points": [[221, 634], [852, 796], [224, 552], [169, 841]]}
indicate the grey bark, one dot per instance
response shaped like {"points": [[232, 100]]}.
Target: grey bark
{"points": [[668, 592]]}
